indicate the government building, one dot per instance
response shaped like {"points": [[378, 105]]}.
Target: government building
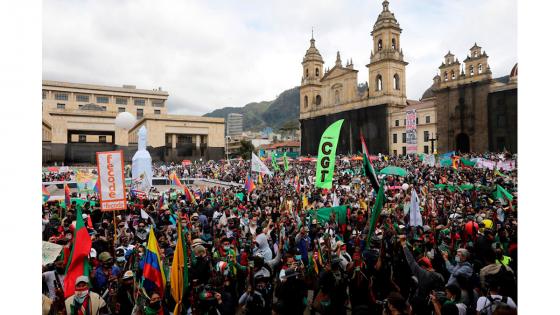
{"points": [[463, 112], [79, 120]]}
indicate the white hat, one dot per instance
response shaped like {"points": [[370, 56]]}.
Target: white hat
{"points": [[82, 279], [93, 253]]}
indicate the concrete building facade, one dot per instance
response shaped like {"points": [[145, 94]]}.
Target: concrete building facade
{"points": [[234, 124]]}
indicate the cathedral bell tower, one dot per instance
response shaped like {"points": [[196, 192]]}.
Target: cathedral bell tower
{"points": [[310, 89], [387, 68]]}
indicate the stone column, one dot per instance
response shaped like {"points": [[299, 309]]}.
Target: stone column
{"points": [[173, 141], [197, 146]]}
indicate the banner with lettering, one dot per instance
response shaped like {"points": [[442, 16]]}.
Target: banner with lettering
{"points": [[112, 191], [410, 124], [327, 155]]}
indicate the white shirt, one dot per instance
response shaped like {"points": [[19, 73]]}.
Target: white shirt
{"points": [[484, 303]]}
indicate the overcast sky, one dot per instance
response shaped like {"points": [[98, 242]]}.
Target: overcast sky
{"points": [[210, 54]]}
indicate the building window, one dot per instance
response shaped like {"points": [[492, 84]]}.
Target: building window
{"points": [[396, 123], [44, 95], [139, 102], [157, 103], [394, 138], [102, 99], [396, 82], [426, 136], [307, 73], [316, 72], [426, 149], [404, 137], [476, 54], [379, 45], [104, 107], [417, 121], [501, 122], [157, 111], [318, 100], [479, 68], [394, 152], [61, 96], [139, 113], [427, 119], [393, 44], [82, 138], [379, 83], [122, 100], [445, 76], [305, 101], [121, 109], [404, 150], [60, 106], [102, 139], [471, 70], [82, 98], [452, 75]]}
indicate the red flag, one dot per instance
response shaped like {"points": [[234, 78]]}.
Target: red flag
{"points": [[364, 146], [78, 263]]}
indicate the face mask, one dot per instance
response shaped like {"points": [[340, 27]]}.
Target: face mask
{"points": [[80, 295], [458, 258], [226, 247]]}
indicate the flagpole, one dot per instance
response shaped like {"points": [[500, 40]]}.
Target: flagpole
{"points": [[115, 236]]}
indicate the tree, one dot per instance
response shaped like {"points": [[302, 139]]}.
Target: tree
{"points": [[246, 149]]}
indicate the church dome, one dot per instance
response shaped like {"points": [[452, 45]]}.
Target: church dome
{"points": [[312, 53], [429, 93], [386, 19]]}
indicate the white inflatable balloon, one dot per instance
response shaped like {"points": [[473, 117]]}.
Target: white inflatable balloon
{"points": [[125, 120], [404, 187]]}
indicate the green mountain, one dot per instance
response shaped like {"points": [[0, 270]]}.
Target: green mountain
{"points": [[284, 110]]}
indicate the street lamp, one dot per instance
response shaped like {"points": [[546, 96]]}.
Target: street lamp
{"points": [[228, 139]]}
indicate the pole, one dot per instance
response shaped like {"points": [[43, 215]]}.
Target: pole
{"points": [[114, 236]]}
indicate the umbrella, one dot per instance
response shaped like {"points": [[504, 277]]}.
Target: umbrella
{"points": [[393, 170]]}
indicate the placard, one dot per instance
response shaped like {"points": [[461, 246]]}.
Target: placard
{"points": [[410, 124], [112, 191]]}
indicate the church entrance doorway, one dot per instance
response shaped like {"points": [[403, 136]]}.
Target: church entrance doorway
{"points": [[462, 143]]}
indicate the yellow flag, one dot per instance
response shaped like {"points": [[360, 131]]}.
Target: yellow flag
{"points": [[304, 202], [260, 179], [177, 272]]}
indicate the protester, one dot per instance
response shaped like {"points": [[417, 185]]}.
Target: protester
{"points": [[280, 245]]}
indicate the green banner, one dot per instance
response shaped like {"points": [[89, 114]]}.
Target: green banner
{"points": [[286, 166], [326, 156], [274, 163]]}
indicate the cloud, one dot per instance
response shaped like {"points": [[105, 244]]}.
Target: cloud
{"points": [[211, 54]]}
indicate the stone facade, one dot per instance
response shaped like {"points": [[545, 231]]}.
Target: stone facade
{"points": [[326, 96], [426, 127], [469, 101]]}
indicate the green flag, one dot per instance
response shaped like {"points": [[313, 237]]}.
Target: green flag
{"points": [[323, 215], [274, 163], [286, 166], [376, 211], [327, 155], [501, 192], [467, 162]]}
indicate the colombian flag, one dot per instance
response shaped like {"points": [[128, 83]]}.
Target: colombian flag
{"points": [[78, 263], [153, 275], [189, 195], [46, 194], [249, 185], [175, 180], [67, 201]]}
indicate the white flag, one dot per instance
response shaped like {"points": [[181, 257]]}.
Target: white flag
{"points": [[415, 216], [258, 166]]}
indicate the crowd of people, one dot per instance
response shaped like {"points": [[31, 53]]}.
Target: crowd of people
{"points": [[267, 251]]}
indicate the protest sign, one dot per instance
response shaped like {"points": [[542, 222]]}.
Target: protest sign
{"points": [[327, 154], [410, 123], [110, 167], [50, 252]]}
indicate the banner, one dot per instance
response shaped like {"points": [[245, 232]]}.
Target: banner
{"points": [[484, 163], [507, 165], [258, 166], [112, 192], [410, 124], [429, 159], [50, 252], [327, 155]]}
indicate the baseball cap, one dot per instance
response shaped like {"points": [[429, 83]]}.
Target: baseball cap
{"points": [[82, 279], [128, 274]]}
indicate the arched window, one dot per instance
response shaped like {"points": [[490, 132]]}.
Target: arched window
{"points": [[318, 100], [471, 70], [379, 83], [305, 102], [393, 44], [479, 68], [396, 82], [316, 72], [379, 45], [445, 76], [452, 75], [476, 54], [307, 73], [337, 97]]}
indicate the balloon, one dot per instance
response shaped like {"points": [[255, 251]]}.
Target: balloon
{"points": [[125, 120], [404, 187]]}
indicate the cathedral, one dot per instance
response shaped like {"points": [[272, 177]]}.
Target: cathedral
{"points": [[332, 94], [465, 109]]}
